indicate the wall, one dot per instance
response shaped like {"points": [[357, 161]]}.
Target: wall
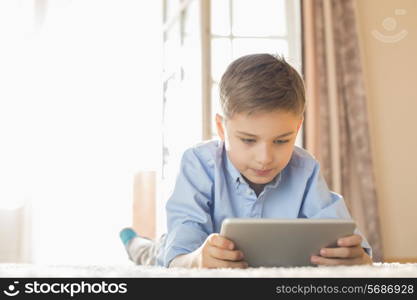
{"points": [[391, 82]]}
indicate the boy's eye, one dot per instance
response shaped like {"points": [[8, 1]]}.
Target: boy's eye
{"points": [[251, 141], [281, 141], [247, 141]]}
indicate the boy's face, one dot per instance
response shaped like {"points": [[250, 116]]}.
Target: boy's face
{"points": [[259, 145]]}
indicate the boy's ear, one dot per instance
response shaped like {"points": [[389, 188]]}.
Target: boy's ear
{"points": [[219, 126], [299, 124]]}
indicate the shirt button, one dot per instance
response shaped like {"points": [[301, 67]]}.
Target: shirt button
{"points": [[249, 192]]}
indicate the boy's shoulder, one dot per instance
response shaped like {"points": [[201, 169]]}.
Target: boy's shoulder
{"points": [[207, 151], [301, 158], [209, 146]]}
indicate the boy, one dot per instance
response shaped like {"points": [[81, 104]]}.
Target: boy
{"points": [[254, 171]]}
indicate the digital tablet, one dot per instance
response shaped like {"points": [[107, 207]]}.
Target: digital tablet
{"points": [[284, 242]]}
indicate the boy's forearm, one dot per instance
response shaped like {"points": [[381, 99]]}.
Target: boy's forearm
{"points": [[183, 261]]}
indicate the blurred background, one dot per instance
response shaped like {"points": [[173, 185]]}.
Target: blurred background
{"points": [[99, 98]]}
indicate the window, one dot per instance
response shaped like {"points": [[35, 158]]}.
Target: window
{"points": [[182, 80], [182, 91], [244, 27], [201, 37]]}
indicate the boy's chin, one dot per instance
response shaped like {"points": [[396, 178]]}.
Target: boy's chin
{"points": [[261, 179]]}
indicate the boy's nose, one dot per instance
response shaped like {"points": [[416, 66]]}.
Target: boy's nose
{"points": [[264, 156]]}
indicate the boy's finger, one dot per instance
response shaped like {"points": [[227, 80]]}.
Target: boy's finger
{"points": [[221, 242], [237, 264], [349, 241], [224, 254], [318, 260], [218, 263], [342, 252]]}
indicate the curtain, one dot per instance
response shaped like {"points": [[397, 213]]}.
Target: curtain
{"points": [[337, 131]]}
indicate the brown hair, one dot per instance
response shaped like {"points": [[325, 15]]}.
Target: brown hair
{"points": [[261, 83]]}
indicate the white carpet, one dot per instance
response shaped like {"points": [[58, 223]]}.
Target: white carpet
{"points": [[131, 270]]}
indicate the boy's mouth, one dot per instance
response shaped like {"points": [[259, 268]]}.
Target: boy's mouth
{"points": [[262, 172]]}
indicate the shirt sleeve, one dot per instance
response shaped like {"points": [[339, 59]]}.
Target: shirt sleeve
{"points": [[188, 209], [321, 203]]}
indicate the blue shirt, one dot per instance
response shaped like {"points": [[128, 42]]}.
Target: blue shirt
{"points": [[209, 189]]}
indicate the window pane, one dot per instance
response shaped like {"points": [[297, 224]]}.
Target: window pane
{"points": [[192, 20], [259, 18], [215, 107], [171, 8], [220, 17], [221, 56], [249, 46], [180, 101], [190, 51], [172, 47]]}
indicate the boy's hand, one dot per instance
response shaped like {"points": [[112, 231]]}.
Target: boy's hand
{"points": [[348, 252], [218, 252]]}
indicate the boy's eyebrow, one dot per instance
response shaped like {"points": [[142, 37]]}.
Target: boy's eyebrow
{"points": [[279, 136]]}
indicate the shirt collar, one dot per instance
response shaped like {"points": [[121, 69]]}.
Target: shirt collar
{"points": [[234, 173], [238, 178], [274, 183]]}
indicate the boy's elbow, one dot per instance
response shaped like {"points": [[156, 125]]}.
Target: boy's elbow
{"points": [[183, 261]]}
